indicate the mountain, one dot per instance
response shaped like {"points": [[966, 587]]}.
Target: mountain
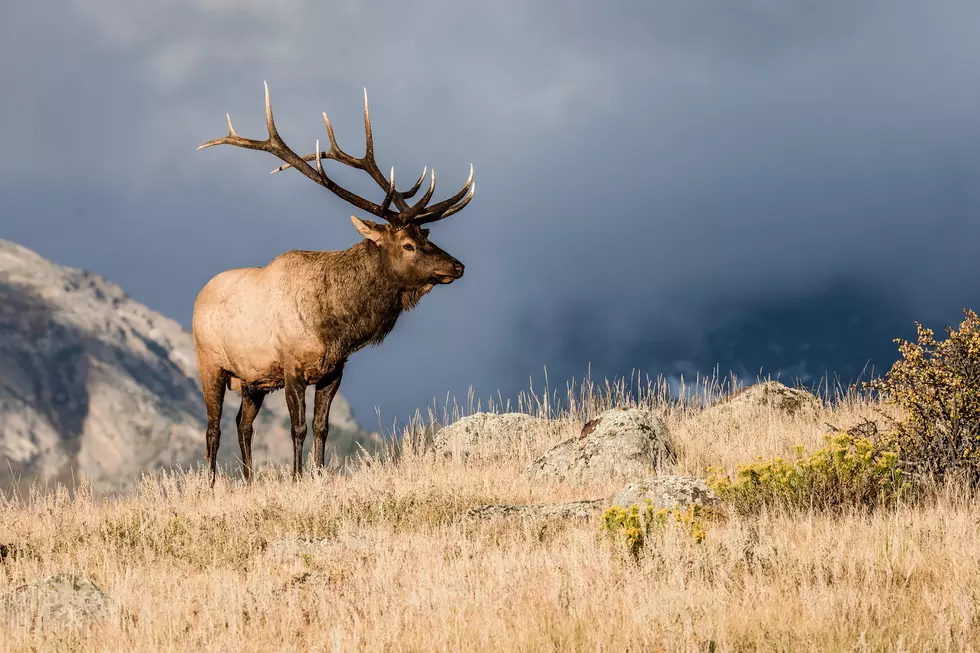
{"points": [[94, 384], [841, 331]]}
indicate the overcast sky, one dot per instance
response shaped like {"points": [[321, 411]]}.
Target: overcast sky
{"points": [[638, 163]]}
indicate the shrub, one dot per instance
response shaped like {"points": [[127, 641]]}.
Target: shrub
{"points": [[937, 384], [850, 471], [634, 529]]}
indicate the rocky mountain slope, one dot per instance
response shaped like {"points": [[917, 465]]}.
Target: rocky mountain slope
{"points": [[94, 384]]}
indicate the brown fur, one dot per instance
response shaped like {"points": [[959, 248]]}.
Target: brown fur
{"points": [[295, 322]]}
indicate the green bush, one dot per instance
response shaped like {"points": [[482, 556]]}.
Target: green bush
{"points": [[634, 528], [937, 385], [850, 471]]}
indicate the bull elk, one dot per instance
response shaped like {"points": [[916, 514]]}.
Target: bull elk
{"points": [[296, 321]]}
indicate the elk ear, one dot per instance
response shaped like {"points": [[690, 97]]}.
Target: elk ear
{"points": [[368, 229]]}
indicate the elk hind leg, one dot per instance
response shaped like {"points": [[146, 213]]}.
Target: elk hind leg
{"points": [[213, 387], [295, 389], [251, 405]]}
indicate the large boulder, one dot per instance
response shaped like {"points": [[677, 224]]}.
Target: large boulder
{"points": [[666, 492], [769, 395], [63, 600], [488, 434], [628, 442]]}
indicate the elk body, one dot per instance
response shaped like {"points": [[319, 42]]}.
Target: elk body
{"points": [[296, 321]]}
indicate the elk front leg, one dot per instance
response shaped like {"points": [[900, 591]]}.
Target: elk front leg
{"points": [[326, 390], [296, 403], [251, 404]]}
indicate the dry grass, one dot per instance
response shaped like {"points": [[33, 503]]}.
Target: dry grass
{"points": [[382, 559]]}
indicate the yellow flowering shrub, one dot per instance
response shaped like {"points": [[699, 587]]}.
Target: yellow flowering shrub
{"points": [[937, 384], [633, 528], [850, 471]]}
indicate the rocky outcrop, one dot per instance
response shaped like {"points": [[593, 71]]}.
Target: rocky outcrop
{"points": [[63, 600], [629, 442], [768, 395], [487, 434], [567, 510], [93, 384], [662, 491], [666, 492]]}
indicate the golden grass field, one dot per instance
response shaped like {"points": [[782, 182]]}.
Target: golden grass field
{"points": [[383, 559]]}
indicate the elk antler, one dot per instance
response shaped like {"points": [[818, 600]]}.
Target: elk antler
{"points": [[417, 213]]}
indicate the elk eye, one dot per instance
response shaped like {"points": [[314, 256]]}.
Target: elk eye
{"points": [[409, 247]]}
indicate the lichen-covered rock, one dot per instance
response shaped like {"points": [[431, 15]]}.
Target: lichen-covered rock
{"points": [[628, 442], [488, 434], [64, 600], [568, 510], [770, 395], [666, 492]]}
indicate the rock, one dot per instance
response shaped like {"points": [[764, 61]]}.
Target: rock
{"points": [[769, 395], [666, 492], [64, 600], [487, 434], [620, 442], [572, 509]]}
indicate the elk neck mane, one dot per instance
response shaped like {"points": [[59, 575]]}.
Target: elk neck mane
{"points": [[357, 282], [379, 280]]}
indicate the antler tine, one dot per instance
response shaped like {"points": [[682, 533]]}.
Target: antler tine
{"points": [[370, 165], [459, 207], [447, 207], [427, 217], [417, 208], [269, 122], [224, 139], [335, 152], [391, 191], [368, 137], [319, 165], [410, 193]]}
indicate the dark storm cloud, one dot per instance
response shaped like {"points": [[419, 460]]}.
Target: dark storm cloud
{"points": [[644, 173]]}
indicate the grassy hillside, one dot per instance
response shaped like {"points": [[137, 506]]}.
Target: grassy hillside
{"points": [[384, 557]]}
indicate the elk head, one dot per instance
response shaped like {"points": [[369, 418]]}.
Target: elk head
{"points": [[406, 251], [409, 255]]}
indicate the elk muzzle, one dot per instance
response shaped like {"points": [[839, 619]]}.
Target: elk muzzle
{"points": [[454, 271]]}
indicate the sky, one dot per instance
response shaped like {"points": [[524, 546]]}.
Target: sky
{"points": [[652, 176]]}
